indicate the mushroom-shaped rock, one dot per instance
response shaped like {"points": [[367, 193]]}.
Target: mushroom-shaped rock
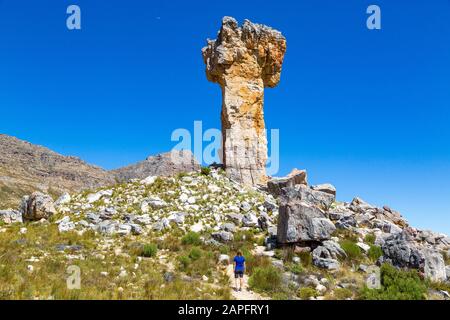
{"points": [[243, 61]]}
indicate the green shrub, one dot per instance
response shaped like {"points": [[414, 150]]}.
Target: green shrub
{"points": [[396, 285], [353, 252], [287, 254], [191, 238], [149, 250], [184, 261], [296, 269], [374, 253], [252, 262], [443, 286], [446, 258], [342, 293], [370, 238], [306, 259], [195, 253], [266, 279], [206, 171], [224, 249], [181, 175], [306, 292], [346, 234], [244, 236], [280, 296]]}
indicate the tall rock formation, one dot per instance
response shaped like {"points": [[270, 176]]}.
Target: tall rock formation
{"points": [[243, 61]]}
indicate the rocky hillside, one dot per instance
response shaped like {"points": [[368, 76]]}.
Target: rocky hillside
{"points": [[25, 168], [159, 165], [172, 237]]}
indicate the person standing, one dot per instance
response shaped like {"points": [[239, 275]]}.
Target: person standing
{"points": [[239, 269]]}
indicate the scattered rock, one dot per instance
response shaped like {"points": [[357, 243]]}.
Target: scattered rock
{"points": [[296, 177], [37, 206], [10, 216], [327, 188], [222, 236]]}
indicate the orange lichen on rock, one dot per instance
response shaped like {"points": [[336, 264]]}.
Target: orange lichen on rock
{"points": [[244, 60]]}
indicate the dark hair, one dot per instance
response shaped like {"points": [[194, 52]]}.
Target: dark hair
{"points": [[239, 253]]}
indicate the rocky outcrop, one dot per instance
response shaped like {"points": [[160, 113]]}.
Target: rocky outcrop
{"points": [[276, 185], [300, 221], [243, 61], [37, 206], [403, 251], [326, 256], [165, 164]]}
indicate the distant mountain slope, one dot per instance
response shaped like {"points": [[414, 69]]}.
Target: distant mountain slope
{"points": [[159, 165], [25, 168]]}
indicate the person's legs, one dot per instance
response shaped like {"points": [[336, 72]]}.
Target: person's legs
{"points": [[241, 280], [236, 280]]}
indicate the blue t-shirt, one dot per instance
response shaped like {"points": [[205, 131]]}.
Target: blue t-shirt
{"points": [[239, 263]]}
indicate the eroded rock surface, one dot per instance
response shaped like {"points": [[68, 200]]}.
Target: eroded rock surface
{"points": [[243, 61]]}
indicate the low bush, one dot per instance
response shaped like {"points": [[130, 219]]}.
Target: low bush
{"points": [[205, 171], [254, 261], [396, 285], [195, 253], [306, 292], [374, 253], [353, 252], [149, 250], [191, 238], [184, 261], [265, 279], [342, 293], [370, 238], [306, 259], [296, 269]]}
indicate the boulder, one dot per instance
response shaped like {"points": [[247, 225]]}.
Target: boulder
{"points": [[230, 227], [222, 236], [360, 206], [346, 222], [107, 227], [37, 206], [327, 188], [10, 216], [323, 259], [306, 194], [63, 199], [299, 221], [250, 220], [401, 250], [334, 249], [65, 224], [94, 197], [296, 177]]}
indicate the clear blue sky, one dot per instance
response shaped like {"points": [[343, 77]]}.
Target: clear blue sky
{"points": [[365, 110]]}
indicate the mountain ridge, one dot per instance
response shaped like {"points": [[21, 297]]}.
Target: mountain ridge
{"points": [[26, 167]]}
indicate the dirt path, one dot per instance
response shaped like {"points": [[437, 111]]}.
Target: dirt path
{"points": [[245, 294]]}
